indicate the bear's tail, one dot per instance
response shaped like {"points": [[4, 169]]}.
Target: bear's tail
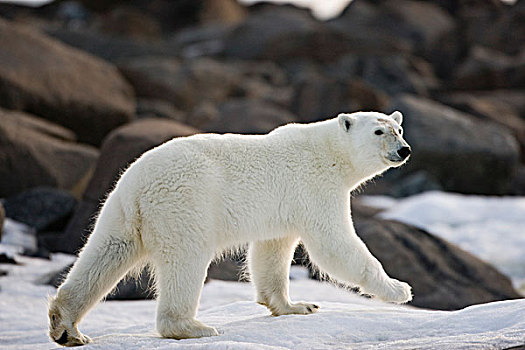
{"points": [[114, 247]]}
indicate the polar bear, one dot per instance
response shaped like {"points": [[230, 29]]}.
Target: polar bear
{"points": [[184, 202]]}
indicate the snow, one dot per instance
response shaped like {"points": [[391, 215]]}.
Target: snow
{"points": [[492, 228], [344, 321]]}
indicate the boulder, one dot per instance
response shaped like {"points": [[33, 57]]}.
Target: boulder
{"points": [[43, 208], [486, 69], [442, 275], [119, 149], [152, 108], [246, 116], [281, 33], [186, 83], [466, 155], [66, 86], [390, 74], [491, 26], [2, 218], [492, 107], [432, 31], [129, 22], [35, 152], [318, 96], [111, 48]]}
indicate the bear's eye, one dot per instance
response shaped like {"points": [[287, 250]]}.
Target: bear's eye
{"points": [[378, 132], [400, 131]]}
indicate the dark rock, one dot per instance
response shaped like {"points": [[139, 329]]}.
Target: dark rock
{"points": [[202, 40], [432, 32], [403, 185], [318, 96], [185, 84], [2, 218], [35, 152], [6, 259], [151, 108], [488, 69], [496, 26], [120, 149], [129, 22], [517, 186], [247, 117], [466, 155], [43, 208], [442, 275], [492, 107], [109, 48], [227, 269], [284, 32], [391, 74], [66, 86]]}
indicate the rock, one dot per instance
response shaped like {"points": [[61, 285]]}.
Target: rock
{"points": [[442, 275], [518, 183], [491, 107], [466, 155], [432, 32], [109, 48], [390, 74], [185, 84], [222, 11], [280, 33], [318, 96], [64, 85], [151, 108], [197, 85], [43, 208], [199, 41], [403, 185], [119, 149], [34, 152], [2, 218], [247, 117], [6, 259], [227, 269], [488, 69], [129, 22], [490, 26]]}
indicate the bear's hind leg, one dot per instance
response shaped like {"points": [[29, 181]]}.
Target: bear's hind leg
{"points": [[269, 263], [180, 278]]}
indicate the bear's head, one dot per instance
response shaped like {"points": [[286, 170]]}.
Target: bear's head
{"points": [[374, 140]]}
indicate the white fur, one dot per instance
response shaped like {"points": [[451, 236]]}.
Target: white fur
{"points": [[191, 198]]}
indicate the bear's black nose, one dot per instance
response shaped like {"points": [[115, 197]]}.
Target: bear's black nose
{"points": [[404, 152]]}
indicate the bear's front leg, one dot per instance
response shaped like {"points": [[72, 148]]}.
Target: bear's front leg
{"points": [[334, 246], [269, 263]]}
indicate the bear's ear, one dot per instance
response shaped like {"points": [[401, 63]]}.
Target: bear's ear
{"points": [[397, 116], [346, 121]]}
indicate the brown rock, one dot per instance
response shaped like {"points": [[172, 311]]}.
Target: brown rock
{"points": [[488, 69], [247, 117], [442, 275], [185, 84], [119, 149], [35, 152], [66, 86], [130, 22], [2, 218]]}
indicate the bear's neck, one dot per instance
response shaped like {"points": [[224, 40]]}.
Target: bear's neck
{"points": [[327, 153]]}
